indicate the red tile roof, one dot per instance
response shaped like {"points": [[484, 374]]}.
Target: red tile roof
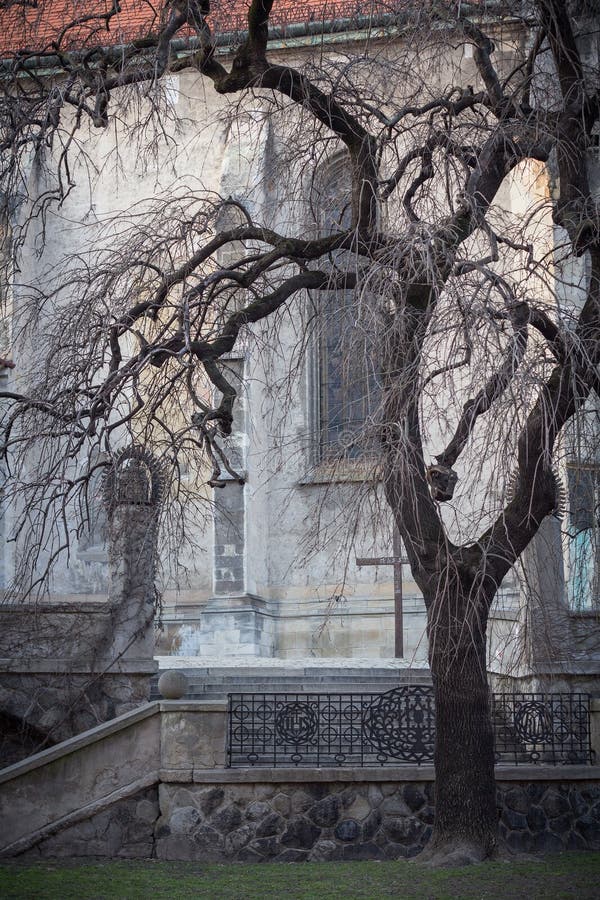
{"points": [[36, 28]]}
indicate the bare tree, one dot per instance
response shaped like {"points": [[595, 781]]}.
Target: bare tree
{"points": [[459, 299]]}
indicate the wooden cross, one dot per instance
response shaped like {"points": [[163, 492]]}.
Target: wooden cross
{"points": [[397, 561]]}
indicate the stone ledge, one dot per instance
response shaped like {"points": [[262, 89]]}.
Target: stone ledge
{"points": [[92, 736], [177, 776], [97, 668], [391, 773], [270, 776], [59, 606], [191, 706]]}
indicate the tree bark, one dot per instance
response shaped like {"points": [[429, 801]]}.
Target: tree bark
{"points": [[466, 819]]}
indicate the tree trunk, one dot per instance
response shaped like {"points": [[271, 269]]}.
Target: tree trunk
{"points": [[466, 819]]}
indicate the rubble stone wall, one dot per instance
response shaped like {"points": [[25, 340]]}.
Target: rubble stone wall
{"points": [[385, 820]]}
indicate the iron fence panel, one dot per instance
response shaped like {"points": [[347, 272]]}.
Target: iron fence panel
{"points": [[396, 728]]}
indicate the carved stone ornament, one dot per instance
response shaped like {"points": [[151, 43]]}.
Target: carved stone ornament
{"points": [[134, 479]]}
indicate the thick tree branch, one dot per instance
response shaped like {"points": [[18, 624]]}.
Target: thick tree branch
{"points": [[492, 390]]}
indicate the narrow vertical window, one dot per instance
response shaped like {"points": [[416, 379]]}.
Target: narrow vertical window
{"points": [[348, 388], [583, 529]]}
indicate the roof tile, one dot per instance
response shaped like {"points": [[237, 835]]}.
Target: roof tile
{"points": [[28, 28]]}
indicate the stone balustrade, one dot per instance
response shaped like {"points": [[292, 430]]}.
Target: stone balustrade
{"points": [[154, 783]]}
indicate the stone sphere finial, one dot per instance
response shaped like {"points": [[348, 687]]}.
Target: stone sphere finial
{"points": [[173, 684]]}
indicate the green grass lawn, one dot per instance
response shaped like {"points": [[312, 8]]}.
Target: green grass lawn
{"points": [[574, 875]]}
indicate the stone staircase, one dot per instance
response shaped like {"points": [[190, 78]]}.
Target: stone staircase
{"points": [[213, 683]]}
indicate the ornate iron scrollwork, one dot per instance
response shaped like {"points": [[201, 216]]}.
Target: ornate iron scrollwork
{"points": [[397, 727], [533, 722], [400, 724], [296, 723]]}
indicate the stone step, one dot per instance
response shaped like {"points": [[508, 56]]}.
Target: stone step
{"points": [[365, 688], [291, 673], [306, 677], [215, 683]]}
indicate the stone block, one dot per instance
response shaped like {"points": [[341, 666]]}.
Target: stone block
{"points": [[207, 838], [395, 806], [237, 839], [374, 795], [427, 815], [257, 810], [147, 812], [348, 830], [371, 825], [360, 809], [521, 841], [589, 829], [413, 796], [517, 800], [227, 819], [362, 851], [301, 801], [324, 851], [395, 851], [547, 843], [326, 812], [177, 846], [348, 796], [272, 824], [403, 830], [300, 834], [176, 797], [282, 804], [249, 855], [536, 819], [574, 841], [210, 800], [292, 856], [577, 803], [554, 804], [535, 791], [514, 820], [267, 846], [184, 820]]}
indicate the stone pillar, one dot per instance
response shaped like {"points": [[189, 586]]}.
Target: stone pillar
{"points": [[132, 548], [234, 620], [132, 492]]}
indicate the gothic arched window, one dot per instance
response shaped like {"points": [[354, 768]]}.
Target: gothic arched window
{"points": [[348, 389]]}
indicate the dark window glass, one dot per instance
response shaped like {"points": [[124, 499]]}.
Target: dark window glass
{"points": [[583, 528]]}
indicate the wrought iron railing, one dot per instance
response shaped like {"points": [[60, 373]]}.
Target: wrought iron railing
{"points": [[397, 727]]}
